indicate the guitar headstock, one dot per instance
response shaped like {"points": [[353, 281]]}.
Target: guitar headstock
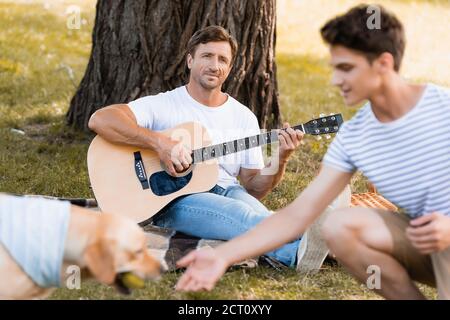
{"points": [[324, 124]]}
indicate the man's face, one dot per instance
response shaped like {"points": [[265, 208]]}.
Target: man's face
{"points": [[210, 64], [354, 75]]}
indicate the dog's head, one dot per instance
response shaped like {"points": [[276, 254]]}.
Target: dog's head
{"points": [[120, 255]]}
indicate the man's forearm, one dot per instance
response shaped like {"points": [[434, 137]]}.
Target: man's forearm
{"points": [[262, 183], [118, 126], [134, 136]]}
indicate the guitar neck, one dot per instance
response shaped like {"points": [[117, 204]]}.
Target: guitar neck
{"points": [[225, 148]]}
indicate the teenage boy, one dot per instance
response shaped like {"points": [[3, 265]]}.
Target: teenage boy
{"points": [[400, 141]]}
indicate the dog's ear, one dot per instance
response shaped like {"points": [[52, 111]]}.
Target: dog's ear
{"points": [[100, 261]]}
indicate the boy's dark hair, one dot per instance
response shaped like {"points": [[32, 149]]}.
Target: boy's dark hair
{"points": [[352, 31], [211, 34]]}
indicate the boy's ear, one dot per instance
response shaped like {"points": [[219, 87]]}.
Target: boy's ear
{"points": [[385, 62]]}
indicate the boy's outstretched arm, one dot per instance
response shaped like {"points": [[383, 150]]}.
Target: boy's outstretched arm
{"points": [[206, 266]]}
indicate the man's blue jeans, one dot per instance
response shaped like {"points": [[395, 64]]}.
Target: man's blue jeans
{"points": [[221, 214]]}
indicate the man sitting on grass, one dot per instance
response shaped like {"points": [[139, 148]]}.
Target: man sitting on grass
{"points": [[400, 143]]}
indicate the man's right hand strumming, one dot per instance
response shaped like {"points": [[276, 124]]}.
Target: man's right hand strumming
{"points": [[117, 123], [174, 154]]}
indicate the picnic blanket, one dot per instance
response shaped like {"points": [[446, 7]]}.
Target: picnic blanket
{"points": [[168, 246]]}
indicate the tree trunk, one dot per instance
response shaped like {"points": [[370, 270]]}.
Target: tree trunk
{"points": [[139, 48]]}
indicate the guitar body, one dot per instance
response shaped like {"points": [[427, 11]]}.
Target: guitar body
{"points": [[118, 178]]}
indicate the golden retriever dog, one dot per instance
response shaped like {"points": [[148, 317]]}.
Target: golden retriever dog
{"points": [[106, 247]]}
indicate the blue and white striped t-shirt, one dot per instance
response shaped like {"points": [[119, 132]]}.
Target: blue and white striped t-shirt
{"points": [[408, 160]]}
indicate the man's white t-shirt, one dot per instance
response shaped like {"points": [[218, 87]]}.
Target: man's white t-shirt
{"points": [[229, 121]]}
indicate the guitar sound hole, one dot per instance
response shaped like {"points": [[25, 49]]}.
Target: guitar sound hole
{"points": [[163, 183]]}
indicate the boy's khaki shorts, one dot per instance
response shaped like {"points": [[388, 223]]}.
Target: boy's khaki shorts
{"points": [[433, 270]]}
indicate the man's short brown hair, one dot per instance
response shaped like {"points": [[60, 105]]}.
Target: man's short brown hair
{"points": [[212, 34], [352, 31]]}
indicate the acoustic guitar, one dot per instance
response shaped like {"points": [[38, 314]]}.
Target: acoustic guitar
{"points": [[133, 181]]}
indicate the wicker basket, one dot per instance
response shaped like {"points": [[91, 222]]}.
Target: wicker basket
{"points": [[372, 199]]}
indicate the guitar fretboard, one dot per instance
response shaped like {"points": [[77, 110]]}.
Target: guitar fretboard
{"points": [[223, 149]]}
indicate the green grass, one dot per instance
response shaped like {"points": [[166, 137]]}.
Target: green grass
{"points": [[261, 283], [36, 50], [332, 282], [41, 62]]}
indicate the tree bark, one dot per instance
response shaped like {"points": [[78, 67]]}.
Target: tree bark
{"points": [[139, 49]]}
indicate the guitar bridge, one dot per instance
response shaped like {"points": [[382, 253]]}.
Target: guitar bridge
{"points": [[140, 170]]}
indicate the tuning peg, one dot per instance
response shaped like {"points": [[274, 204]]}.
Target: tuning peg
{"points": [[318, 138], [322, 115], [327, 136]]}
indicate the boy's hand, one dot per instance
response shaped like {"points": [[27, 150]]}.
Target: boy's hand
{"points": [[204, 269], [430, 233]]}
